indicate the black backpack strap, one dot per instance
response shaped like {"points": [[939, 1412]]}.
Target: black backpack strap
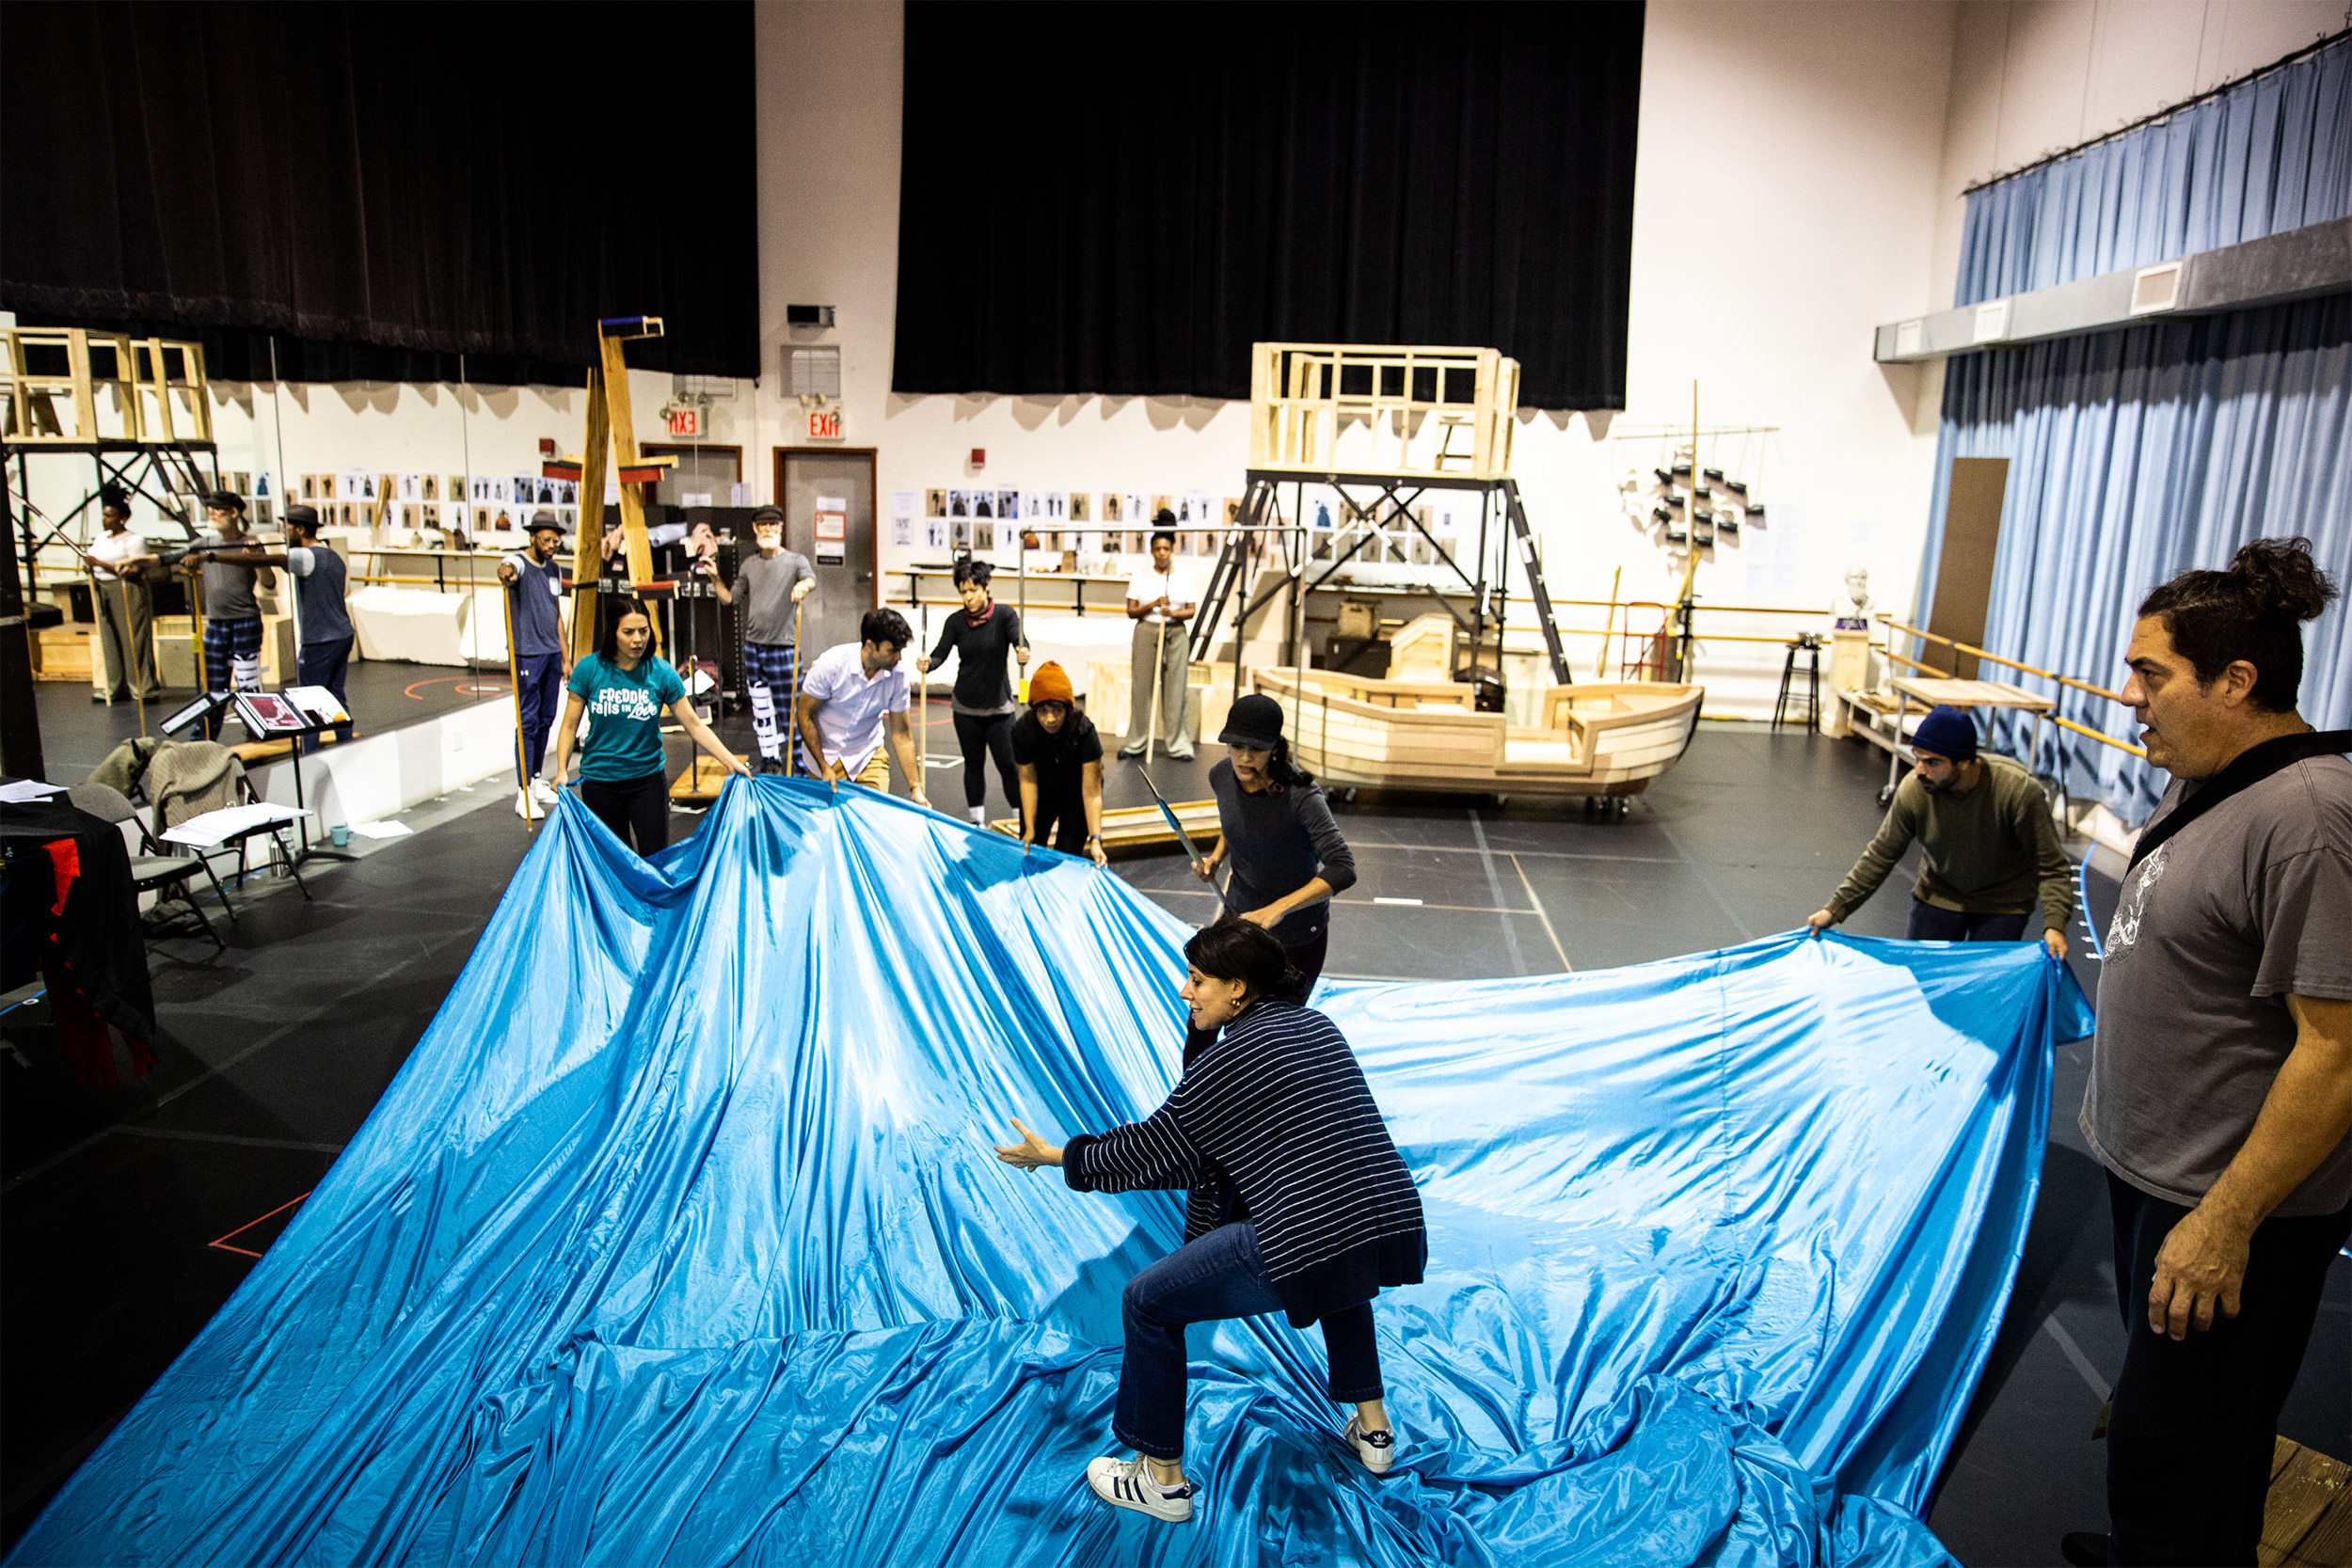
{"points": [[2246, 770]]}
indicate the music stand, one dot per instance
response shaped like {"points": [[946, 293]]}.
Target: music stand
{"points": [[273, 716], [206, 708]]}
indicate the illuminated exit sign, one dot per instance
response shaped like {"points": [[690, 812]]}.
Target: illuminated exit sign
{"points": [[824, 424], [686, 422]]}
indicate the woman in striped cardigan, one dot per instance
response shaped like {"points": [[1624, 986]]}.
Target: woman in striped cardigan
{"points": [[1298, 1203]]}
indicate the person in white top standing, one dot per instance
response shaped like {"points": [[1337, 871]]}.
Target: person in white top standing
{"points": [[126, 605], [1161, 599], [853, 698]]}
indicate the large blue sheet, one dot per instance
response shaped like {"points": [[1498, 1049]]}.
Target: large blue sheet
{"points": [[679, 1240]]}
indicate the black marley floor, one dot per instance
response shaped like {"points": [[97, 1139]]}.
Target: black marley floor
{"points": [[119, 1209]]}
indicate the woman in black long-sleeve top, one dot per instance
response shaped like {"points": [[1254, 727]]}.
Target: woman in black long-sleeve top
{"points": [[981, 637], [1275, 827], [1299, 1203]]}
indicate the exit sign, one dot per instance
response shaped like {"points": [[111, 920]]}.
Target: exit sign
{"points": [[824, 424], [687, 423]]}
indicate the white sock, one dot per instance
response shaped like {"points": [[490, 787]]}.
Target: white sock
{"points": [[978, 813], [764, 723]]}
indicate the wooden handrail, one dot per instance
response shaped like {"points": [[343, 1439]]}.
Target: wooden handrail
{"points": [[1979, 653], [2085, 728]]}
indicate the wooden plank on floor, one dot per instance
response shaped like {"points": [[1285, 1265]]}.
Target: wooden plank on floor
{"points": [[701, 782], [1132, 826], [2308, 1519]]}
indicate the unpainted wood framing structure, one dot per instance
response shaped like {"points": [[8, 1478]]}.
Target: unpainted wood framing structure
{"points": [[1379, 426], [156, 388]]}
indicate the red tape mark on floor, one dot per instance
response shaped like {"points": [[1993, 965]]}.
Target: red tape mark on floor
{"points": [[223, 1243], [475, 684]]}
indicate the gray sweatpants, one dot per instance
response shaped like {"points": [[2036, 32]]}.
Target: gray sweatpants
{"points": [[1174, 665]]}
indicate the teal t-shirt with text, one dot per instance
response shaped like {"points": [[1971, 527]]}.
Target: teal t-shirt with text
{"points": [[624, 709]]}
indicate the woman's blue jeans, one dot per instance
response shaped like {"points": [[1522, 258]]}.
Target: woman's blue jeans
{"points": [[1220, 1275]]}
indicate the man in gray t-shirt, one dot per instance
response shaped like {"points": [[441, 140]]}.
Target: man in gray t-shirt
{"points": [[228, 601], [772, 584], [2220, 1095]]}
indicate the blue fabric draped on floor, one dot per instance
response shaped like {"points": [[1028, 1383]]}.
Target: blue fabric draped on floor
{"points": [[679, 1240]]}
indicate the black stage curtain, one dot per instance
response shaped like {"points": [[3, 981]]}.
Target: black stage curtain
{"points": [[381, 187], [1120, 199]]}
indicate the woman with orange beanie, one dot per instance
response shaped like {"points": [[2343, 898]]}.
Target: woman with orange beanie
{"points": [[1060, 759]]}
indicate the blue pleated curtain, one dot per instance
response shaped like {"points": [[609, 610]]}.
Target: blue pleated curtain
{"points": [[2139, 454]]}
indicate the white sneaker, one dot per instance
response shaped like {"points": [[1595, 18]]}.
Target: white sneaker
{"points": [[523, 807], [1378, 1449], [543, 792], [978, 815], [1128, 1483]]}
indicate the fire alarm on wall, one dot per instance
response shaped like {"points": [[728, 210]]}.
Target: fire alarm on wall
{"points": [[979, 457], [546, 446]]}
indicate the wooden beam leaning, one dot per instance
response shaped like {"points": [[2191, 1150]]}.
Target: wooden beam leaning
{"points": [[610, 335], [588, 543]]}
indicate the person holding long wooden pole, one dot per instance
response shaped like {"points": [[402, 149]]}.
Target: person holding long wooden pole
{"points": [[119, 563], [768, 581], [535, 644], [1159, 596]]}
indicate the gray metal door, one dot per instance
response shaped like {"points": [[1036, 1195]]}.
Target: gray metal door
{"points": [[844, 566]]}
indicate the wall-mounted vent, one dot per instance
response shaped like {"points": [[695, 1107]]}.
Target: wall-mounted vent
{"points": [[813, 372], [1908, 337], [2155, 288], [1992, 322]]}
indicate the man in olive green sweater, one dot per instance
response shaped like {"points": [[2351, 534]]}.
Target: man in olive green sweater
{"points": [[1986, 838]]}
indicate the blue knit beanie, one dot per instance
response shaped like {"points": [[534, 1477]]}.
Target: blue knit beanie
{"points": [[1947, 733]]}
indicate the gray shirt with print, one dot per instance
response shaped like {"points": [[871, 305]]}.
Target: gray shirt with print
{"points": [[765, 584], [2215, 928]]}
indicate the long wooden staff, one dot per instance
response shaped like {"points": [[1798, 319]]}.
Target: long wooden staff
{"points": [[1601, 663], [792, 730], [923, 706], [1159, 676]]}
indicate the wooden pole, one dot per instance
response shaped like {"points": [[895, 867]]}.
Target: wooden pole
{"points": [[792, 728], [1159, 679], [1601, 665]]}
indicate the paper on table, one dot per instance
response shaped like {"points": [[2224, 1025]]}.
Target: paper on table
{"points": [[381, 829], [24, 791], [218, 827]]}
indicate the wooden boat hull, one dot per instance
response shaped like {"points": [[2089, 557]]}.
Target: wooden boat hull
{"points": [[1596, 740]]}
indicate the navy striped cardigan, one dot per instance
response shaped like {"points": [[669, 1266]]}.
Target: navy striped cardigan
{"points": [[1274, 1124]]}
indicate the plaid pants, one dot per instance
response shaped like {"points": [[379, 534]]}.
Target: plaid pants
{"points": [[767, 681], [232, 660]]}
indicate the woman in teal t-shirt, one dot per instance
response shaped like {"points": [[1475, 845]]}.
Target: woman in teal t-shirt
{"points": [[623, 693]]}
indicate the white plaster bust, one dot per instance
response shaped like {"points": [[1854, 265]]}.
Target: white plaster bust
{"points": [[1852, 607]]}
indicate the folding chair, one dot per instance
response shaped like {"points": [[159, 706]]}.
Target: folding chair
{"points": [[242, 788], [166, 875]]}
